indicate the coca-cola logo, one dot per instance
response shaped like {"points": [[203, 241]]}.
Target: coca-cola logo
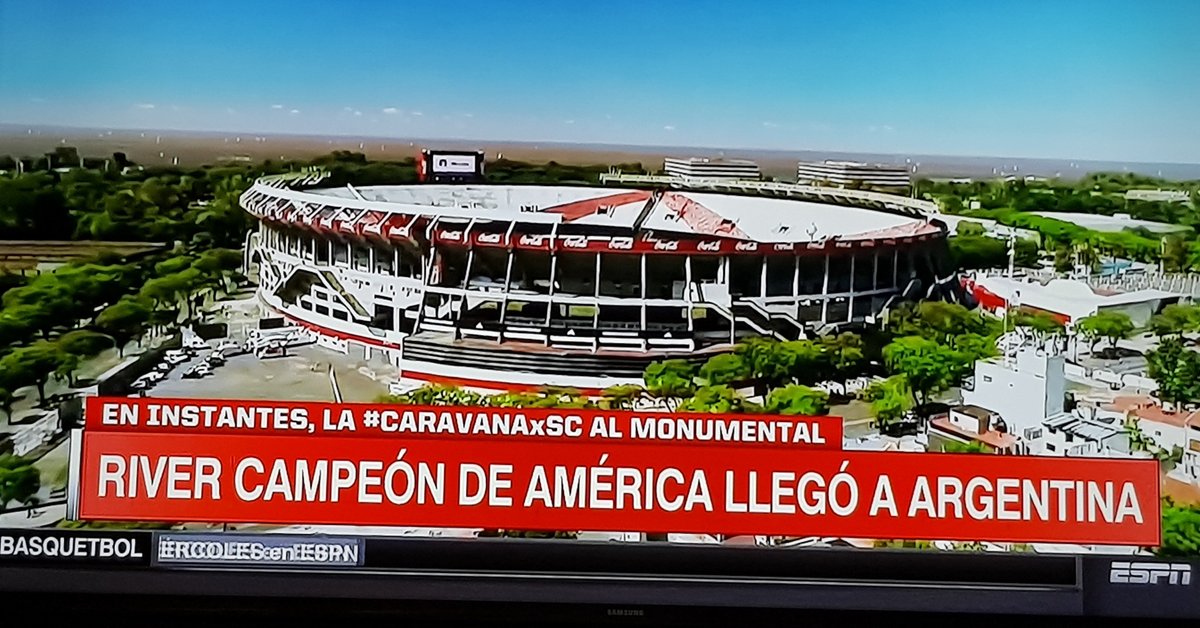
{"points": [[574, 242], [489, 238], [453, 236], [531, 240], [820, 244], [709, 245], [783, 247], [623, 244], [746, 246], [843, 245], [666, 245]]}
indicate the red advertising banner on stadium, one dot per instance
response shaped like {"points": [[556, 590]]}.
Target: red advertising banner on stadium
{"points": [[543, 484], [272, 418]]}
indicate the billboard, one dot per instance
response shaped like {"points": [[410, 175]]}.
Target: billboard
{"points": [[460, 163], [442, 166]]}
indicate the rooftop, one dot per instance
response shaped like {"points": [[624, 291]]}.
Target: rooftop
{"points": [[1148, 409], [716, 162], [1065, 296], [753, 218], [996, 440]]}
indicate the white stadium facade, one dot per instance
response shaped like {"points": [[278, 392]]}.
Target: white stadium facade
{"points": [[516, 287]]}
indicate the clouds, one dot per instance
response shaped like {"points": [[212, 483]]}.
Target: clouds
{"points": [[277, 106], [771, 125], [669, 127], [294, 111], [391, 111], [144, 105]]}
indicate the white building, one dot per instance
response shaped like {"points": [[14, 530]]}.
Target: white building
{"points": [[1024, 389], [1074, 436], [852, 173], [1067, 299], [704, 168], [1171, 196], [1017, 404], [1191, 453]]}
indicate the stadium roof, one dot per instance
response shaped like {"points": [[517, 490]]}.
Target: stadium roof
{"points": [[753, 218]]}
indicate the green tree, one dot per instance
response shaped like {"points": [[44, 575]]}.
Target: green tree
{"points": [[714, 399], [83, 343], [767, 359], [891, 400], [1064, 260], [6, 401], [972, 347], [938, 320], [123, 321], [621, 396], [1112, 326], [797, 399], [844, 354], [1180, 531], [67, 366], [973, 447], [1042, 324], [670, 380], [1174, 253], [1177, 371], [436, 395], [32, 365], [970, 228], [725, 368], [1176, 319], [929, 366], [19, 480]]}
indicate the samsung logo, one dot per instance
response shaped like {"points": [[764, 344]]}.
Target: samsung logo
{"points": [[1150, 573]]}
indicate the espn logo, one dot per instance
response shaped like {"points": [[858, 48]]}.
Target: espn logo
{"points": [[1150, 573]]}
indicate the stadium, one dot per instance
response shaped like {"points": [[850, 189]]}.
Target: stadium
{"points": [[509, 287]]}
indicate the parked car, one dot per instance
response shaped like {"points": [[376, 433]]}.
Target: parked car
{"points": [[215, 358], [198, 371], [229, 347], [175, 356], [154, 376]]}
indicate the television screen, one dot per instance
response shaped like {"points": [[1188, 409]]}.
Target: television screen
{"points": [[759, 307]]}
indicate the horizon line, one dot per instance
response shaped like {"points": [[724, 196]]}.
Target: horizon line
{"points": [[607, 144]]}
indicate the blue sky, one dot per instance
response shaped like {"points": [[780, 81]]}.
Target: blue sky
{"points": [[1089, 79]]}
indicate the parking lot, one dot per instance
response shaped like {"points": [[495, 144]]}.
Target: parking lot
{"points": [[301, 375]]}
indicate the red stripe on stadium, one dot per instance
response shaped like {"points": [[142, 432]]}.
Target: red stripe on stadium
{"points": [[590, 207], [701, 219]]}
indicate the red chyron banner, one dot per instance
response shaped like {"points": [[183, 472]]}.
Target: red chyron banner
{"points": [[272, 418], [610, 484]]}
